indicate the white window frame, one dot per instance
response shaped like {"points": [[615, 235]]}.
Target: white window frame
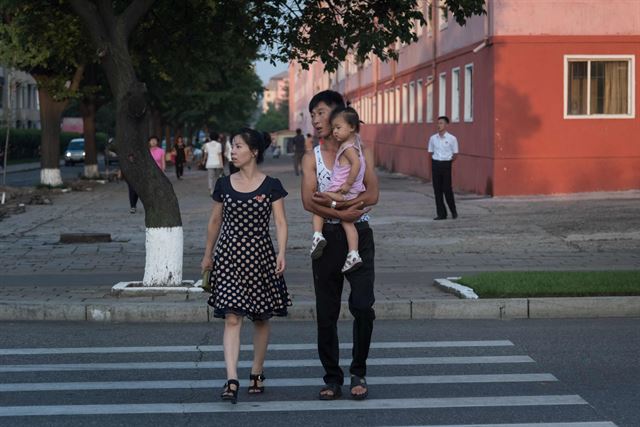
{"points": [[455, 94], [397, 106], [429, 90], [442, 94], [412, 102], [405, 103], [631, 98], [419, 105], [468, 93]]}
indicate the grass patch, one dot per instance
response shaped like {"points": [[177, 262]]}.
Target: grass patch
{"points": [[21, 161], [553, 284]]}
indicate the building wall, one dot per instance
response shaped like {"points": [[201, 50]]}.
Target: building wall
{"points": [[537, 150], [519, 141], [24, 110]]}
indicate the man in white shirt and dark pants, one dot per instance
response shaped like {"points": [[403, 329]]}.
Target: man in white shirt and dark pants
{"points": [[443, 148], [213, 160]]}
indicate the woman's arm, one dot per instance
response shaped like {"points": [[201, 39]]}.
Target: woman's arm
{"points": [[282, 231], [213, 230]]}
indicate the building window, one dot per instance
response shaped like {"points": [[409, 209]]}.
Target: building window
{"points": [[599, 87], [397, 96], [412, 102], [442, 95], [455, 95], [419, 100], [389, 112], [379, 108], [405, 104], [430, 102], [444, 17], [468, 93]]}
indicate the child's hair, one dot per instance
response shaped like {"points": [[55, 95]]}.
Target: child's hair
{"points": [[349, 114], [255, 140]]}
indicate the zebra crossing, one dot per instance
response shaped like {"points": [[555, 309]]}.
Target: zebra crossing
{"points": [[485, 383]]}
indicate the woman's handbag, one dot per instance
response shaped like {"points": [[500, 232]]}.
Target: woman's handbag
{"points": [[208, 280]]}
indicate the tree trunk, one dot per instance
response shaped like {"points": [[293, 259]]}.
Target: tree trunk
{"points": [[164, 239], [50, 116], [88, 111]]}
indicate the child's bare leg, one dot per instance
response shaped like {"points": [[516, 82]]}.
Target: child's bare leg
{"points": [[353, 260], [318, 222], [338, 197], [352, 235]]}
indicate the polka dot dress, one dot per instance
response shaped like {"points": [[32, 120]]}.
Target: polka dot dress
{"points": [[245, 280]]}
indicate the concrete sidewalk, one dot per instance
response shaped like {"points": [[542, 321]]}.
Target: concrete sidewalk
{"points": [[43, 279]]}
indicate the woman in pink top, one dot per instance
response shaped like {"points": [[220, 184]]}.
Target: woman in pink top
{"points": [[346, 182], [157, 153]]}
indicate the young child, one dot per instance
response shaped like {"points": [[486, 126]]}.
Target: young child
{"points": [[346, 182]]}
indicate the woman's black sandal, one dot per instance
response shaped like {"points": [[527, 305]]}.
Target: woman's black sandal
{"points": [[335, 389], [229, 393], [254, 388], [359, 381]]}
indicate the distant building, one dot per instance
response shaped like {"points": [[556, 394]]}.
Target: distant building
{"points": [[542, 95], [276, 90], [25, 106]]}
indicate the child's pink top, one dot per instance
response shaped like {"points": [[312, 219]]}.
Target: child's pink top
{"points": [[157, 153], [341, 172]]}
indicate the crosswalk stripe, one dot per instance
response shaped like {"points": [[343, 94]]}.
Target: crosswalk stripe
{"points": [[395, 361], [569, 424], [275, 382], [292, 406], [218, 348]]}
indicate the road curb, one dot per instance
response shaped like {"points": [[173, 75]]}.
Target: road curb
{"points": [[198, 311]]}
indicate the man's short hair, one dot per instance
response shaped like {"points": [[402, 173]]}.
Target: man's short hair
{"points": [[298, 131], [445, 118], [329, 97], [214, 136]]}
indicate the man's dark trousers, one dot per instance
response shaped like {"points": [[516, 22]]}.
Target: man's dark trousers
{"points": [[328, 282], [441, 177]]}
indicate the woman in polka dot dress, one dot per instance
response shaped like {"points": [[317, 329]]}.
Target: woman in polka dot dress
{"points": [[247, 272]]}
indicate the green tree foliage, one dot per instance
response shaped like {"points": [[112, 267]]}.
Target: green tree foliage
{"points": [[274, 119]]}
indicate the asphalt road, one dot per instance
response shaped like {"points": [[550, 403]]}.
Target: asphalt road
{"points": [[451, 373]]}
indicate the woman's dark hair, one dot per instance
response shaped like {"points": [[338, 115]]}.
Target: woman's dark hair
{"points": [[329, 97], [259, 141], [349, 114]]}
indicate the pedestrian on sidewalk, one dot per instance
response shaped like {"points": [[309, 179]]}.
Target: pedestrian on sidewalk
{"points": [[181, 157], [346, 182], [158, 156], [247, 275], [443, 148], [298, 151], [328, 278], [157, 153], [213, 160]]}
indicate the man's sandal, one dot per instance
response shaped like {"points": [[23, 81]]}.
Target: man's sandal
{"points": [[335, 389], [254, 388], [359, 381]]}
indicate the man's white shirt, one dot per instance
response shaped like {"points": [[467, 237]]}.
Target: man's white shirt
{"points": [[443, 147], [213, 149]]}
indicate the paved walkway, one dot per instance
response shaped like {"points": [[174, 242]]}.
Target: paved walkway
{"points": [[580, 232]]}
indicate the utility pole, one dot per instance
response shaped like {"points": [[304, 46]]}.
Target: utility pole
{"points": [[7, 121]]}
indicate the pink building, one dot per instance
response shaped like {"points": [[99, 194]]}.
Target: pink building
{"points": [[541, 94]]}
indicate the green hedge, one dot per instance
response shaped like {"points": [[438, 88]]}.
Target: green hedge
{"points": [[24, 143]]}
